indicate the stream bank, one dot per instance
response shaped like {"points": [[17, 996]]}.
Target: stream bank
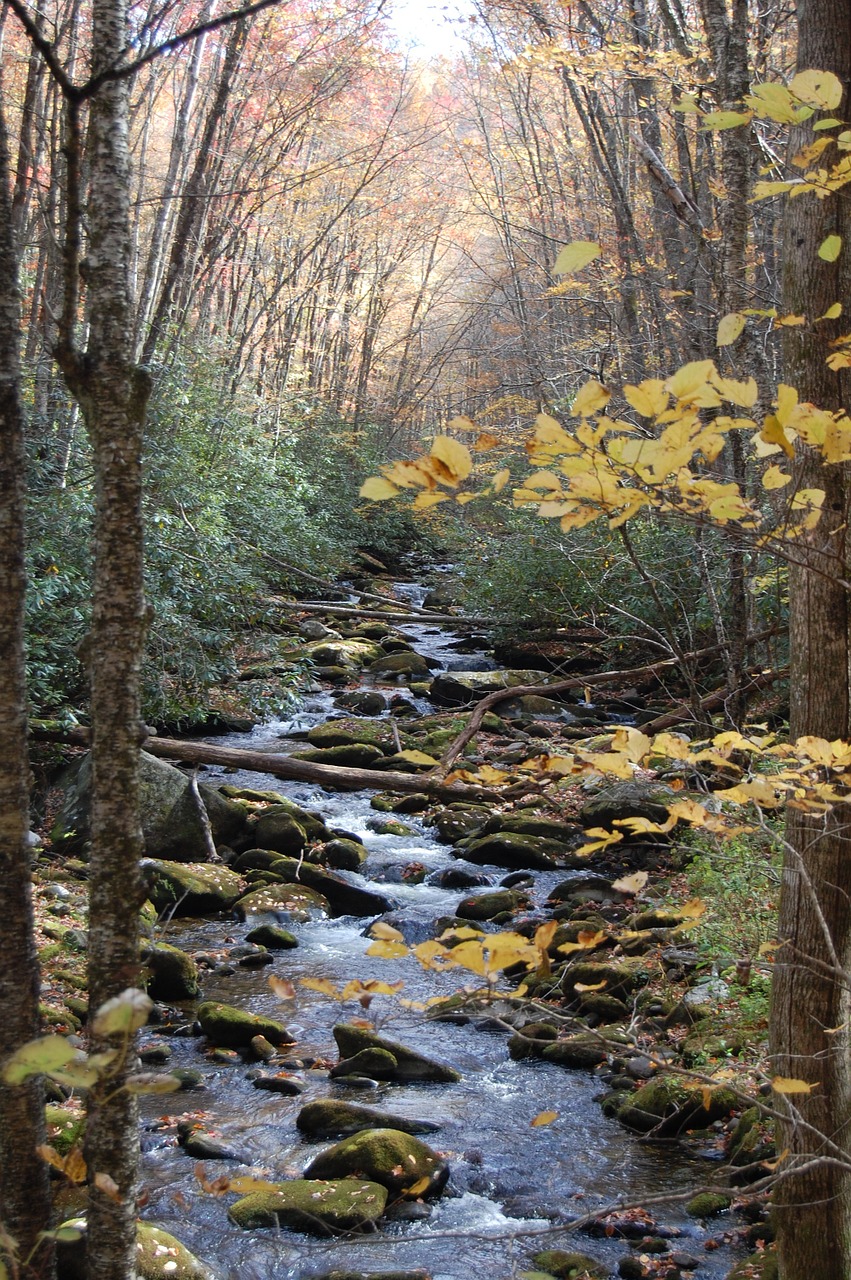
{"points": [[512, 1182]]}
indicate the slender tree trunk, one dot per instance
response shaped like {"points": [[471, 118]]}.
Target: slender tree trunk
{"points": [[24, 1187], [812, 1005]]}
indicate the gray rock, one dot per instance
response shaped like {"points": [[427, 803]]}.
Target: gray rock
{"points": [[410, 1064], [328, 1118]]}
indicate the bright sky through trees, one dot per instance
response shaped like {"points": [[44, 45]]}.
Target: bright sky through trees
{"points": [[431, 28]]}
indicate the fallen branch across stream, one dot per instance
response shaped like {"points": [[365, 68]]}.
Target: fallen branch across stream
{"points": [[383, 615]]}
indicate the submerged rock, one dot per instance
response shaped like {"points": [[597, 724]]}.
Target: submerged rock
{"points": [[397, 1160], [410, 1065], [307, 1205], [328, 1118]]}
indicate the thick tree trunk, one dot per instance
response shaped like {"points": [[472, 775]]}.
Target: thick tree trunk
{"points": [[812, 1004], [24, 1186], [113, 397]]}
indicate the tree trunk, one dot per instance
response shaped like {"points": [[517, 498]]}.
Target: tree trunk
{"points": [[811, 1004], [25, 1206]]}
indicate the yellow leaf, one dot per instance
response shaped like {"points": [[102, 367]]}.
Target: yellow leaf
{"points": [[774, 478], [649, 398], [587, 940], [724, 119], [543, 1118], [590, 398], [377, 489], [820, 89], [762, 190], [501, 479], [454, 455], [463, 498], [385, 932], [386, 949], [488, 774], [631, 884], [729, 328], [282, 987], [830, 248], [108, 1186], [833, 312], [582, 987], [693, 909], [603, 840], [773, 101], [690, 379], [484, 442], [423, 500], [462, 423], [743, 394], [791, 321], [545, 933], [417, 1188], [787, 1084], [416, 757], [575, 256], [324, 986], [773, 433], [470, 955]]}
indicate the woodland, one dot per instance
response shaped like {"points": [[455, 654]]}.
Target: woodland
{"points": [[295, 318]]}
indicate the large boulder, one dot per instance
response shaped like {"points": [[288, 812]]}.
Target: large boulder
{"points": [[409, 665], [357, 755], [190, 888], [278, 830], [410, 1065], [329, 1118], [518, 853], [345, 899], [233, 1028], [344, 653], [172, 826], [292, 902], [635, 799], [460, 688], [172, 974], [669, 1105], [398, 1161], [159, 1255], [317, 1208]]}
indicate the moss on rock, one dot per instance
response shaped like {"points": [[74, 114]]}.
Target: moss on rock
{"points": [[234, 1028], [400, 1162], [307, 1205]]}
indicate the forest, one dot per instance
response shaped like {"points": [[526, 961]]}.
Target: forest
{"points": [[425, 716]]}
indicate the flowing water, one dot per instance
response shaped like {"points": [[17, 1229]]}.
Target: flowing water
{"points": [[511, 1185]]}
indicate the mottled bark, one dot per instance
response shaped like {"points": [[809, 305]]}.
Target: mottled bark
{"points": [[812, 1005], [24, 1187]]}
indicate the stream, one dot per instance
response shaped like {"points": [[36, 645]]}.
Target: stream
{"points": [[511, 1184]]}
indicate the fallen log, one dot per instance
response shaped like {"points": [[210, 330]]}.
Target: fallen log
{"points": [[395, 615], [713, 701], [333, 777]]}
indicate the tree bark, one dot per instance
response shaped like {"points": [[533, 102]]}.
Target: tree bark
{"points": [[25, 1204], [811, 1004]]}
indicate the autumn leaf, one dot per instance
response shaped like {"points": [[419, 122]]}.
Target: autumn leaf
{"points": [[729, 328], [543, 1118], [377, 489], [573, 257], [631, 884], [282, 988], [381, 929], [830, 248], [454, 455], [787, 1084]]}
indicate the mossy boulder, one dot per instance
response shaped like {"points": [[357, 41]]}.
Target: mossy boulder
{"points": [[345, 899], [190, 888], [234, 1028], [618, 979], [487, 906], [344, 855], [570, 1266], [173, 975], [456, 823], [582, 1052], [566, 834], [348, 733], [669, 1105], [172, 827], [364, 702], [461, 688], [277, 830], [517, 853], [407, 664], [390, 802], [312, 822], [64, 1128], [398, 1161], [708, 1204], [328, 1118], [314, 1207], [628, 800], [272, 936], [351, 654], [757, 1266], [159, 1255], [358, 755], [294, 901], [378, 1064], [410, 1064]]}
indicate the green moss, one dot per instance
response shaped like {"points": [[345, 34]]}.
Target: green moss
{"points": [[708, 1204], [231, 1027], [318, 1208]]}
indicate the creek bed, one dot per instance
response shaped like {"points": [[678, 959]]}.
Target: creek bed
{"points": [[511, 1183]]}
